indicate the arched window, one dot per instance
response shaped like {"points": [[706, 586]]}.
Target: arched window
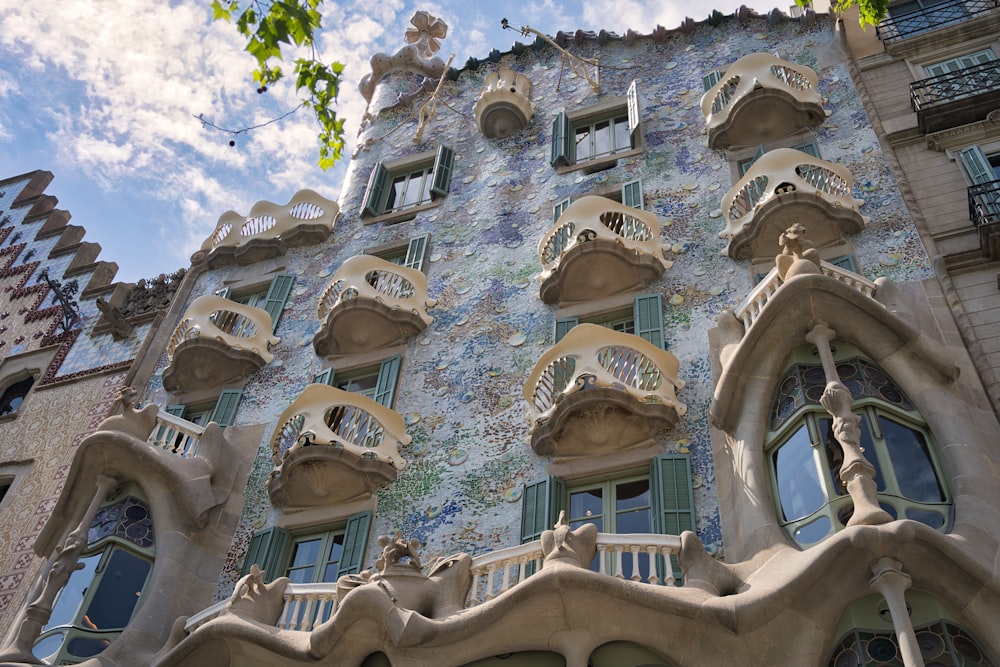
{"points": [[98, 600], [13, 395], [805, 457]]}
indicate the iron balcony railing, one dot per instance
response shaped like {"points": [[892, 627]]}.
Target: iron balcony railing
{"points": [[938, 15], [984, 203], [975, 80]]}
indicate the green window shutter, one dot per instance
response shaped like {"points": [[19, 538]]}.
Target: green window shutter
{"points": [[711, 79], [541, 503], [976, 164], [385, 386], [225, 407], [224, 292], [632, 193], [809, 148], [277, 295], [443, 163], [632, 96], [176, 410], [648, 314], [415, 252], [845, 262], [562, 140], [559, 209], [355, 541], [563, 325], [673, 501], [267, 550], [326, 377], [746, 164], [377, 183]]}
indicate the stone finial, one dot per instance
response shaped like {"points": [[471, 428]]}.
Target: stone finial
{"points": [[416, 57], [574, 547], [426, 32], [798, 257], [393, 550], [120, 327]]}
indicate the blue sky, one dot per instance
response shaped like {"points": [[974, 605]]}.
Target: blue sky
{"points": [[104, 94]]}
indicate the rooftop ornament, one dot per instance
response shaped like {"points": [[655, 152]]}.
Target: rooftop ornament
{"points": [[579, 65], [416, 57], [64, 295]]}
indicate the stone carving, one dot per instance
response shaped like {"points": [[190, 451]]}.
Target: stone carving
{"points": [[572, 547], [120, 327], [137, 423], [439, 593], [254, 600], [416, 57], [798, 257], [154, 294]]}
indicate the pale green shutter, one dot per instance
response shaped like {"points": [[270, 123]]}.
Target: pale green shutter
{"points": [[710, 80], [562, 140], [225, 407], [845, 262], [746, 164], [632, 96], [326, 377], [443, 163], [648, 314], [632, 193], [672, 498], [224, 292], [377, 183], [385, 386], [267, 550], [559, 209], [176, 410], [541, 503], [563, 325], [355, 541], [415, 252], [809, 148], [277, 295], [976, 164]]}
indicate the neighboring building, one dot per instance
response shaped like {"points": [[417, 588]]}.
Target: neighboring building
{"points": [[755, 405]]}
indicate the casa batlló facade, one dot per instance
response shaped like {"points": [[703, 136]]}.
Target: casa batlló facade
{"points": [[614, 350]]}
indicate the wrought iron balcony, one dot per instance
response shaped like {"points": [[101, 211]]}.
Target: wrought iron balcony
{"points": [[956, 98], [781, 188], [217, 342], [597, 248], [598, 391], [269, 230], [984, 211], [333, 446], [938, 15], [761, 98], [370, 304]]}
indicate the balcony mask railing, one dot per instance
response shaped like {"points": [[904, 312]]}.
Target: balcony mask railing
{"points": [[175, 435], [938, 15], [984, 203], [750, 309], [324, 415], [236, 325], [592, 356], [371, 277], [944, 88], [758, 70], [780, 171], [270, 221], [494, 573], [591, 218]]}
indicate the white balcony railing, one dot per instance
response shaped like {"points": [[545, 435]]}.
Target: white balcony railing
{"points": [[371, 277], [752, 306], [238, 326], [591, 355], [176, 435], [493, 574], [271, 221]]}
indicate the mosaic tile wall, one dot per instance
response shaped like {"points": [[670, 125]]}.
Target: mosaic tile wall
{"points": [[461, 381]]}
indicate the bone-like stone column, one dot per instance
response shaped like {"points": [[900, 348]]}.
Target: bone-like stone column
{"points": [[891, 582], [37, 614], [856, 473]]}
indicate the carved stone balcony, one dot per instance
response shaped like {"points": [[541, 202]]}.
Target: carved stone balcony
{"points": [[269, 230], [598, 248], [503, 107], [333, 446], [781, 188], [956, 98], [761, 98], [370, 304], [598, 391], [217, 342]]}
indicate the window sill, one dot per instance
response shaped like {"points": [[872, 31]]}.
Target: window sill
{"points": [[395, 217], [601, 163]]}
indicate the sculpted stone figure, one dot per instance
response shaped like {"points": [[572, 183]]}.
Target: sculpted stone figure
{"points": [[137, 423], [798, 257], [573, 547], [253, 599]]}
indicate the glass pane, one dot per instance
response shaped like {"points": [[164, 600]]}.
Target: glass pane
{"points": [[596, 520], [425, 192], [602, 138], [361, 385], [911, 462], [586, 504], [118, 591], [813, 532], [414, 188], [85, 647], [396, 193], [629, 495], [336, 549], [64, 610], [868, 444], [623, 141], [635, 521], [834, 455], [799, 489], [306, 552], [933, 519], [583, 147], [302, 575]]}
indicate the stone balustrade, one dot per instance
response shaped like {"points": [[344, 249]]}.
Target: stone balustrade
{"points": [[752, 306], [176, 435]]}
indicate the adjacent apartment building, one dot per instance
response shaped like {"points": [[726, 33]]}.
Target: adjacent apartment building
{"points": [[664, 348]]}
